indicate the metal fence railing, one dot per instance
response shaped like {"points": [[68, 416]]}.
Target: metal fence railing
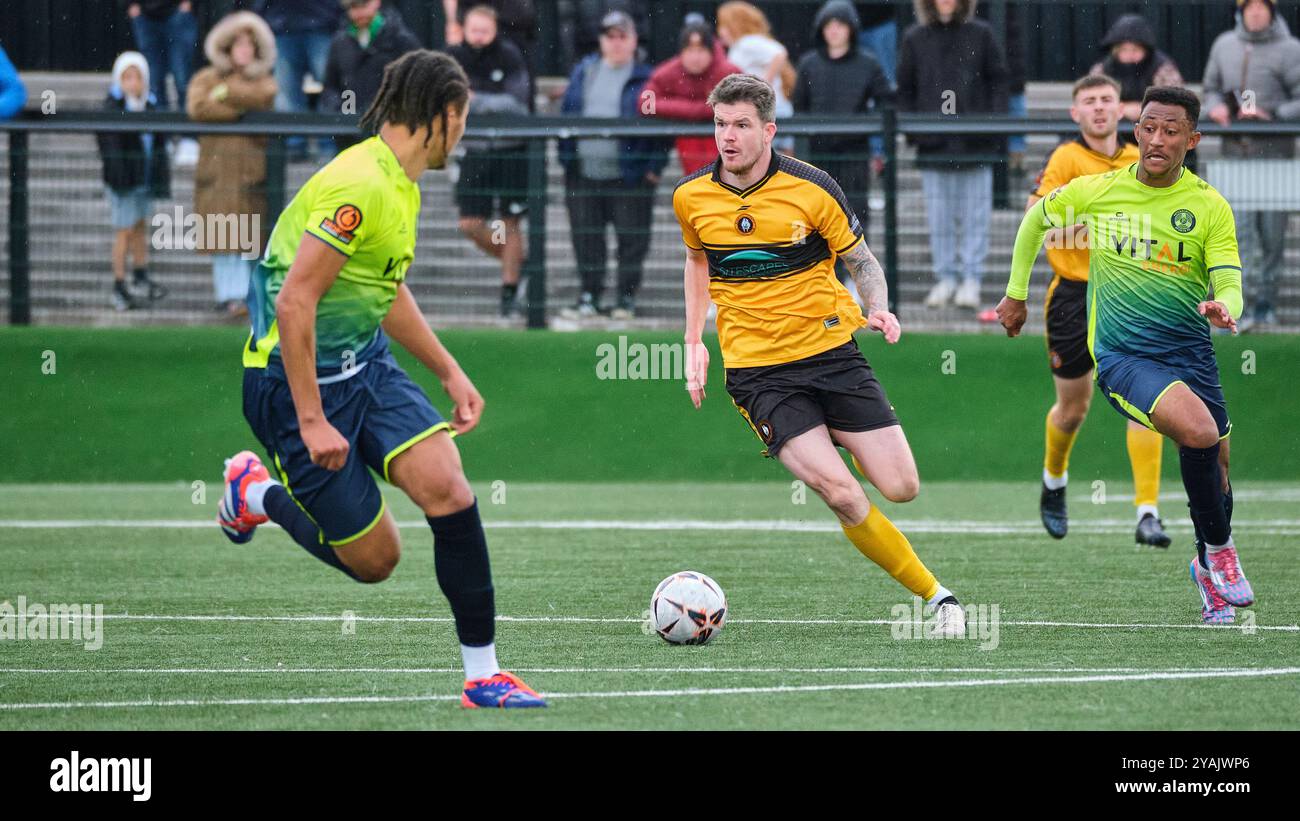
{"points": [[56, 256]]}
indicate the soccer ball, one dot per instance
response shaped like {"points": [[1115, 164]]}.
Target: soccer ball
{"points": [[688, 608]]}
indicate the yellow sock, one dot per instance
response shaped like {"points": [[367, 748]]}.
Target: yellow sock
{"points": [[881, 542], [1144, 446], [1059, 444]]}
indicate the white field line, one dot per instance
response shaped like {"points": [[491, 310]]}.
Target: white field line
{"points": [[1281, 527], [1285, 628], [180, 671], [672, 693]]}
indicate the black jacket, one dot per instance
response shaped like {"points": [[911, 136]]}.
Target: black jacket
{"points": [[499, 78], [852, 84], [124, 156], [952, 68], [360, 70]]}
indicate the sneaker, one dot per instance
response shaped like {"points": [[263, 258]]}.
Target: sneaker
{"points": [[1214, 610], [236, 520], [1151, 530], [940, 293], [509, 303], [968, 294], [187, 153], [626, 308], [1228, 579], [584, 308], [142, 282], [123, 299], [503, 690], [949, 619], [1051, 508]]}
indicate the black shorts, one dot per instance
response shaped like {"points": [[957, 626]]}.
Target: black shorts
{"points": [[836, 388], [1067, 328], [493, 183]]}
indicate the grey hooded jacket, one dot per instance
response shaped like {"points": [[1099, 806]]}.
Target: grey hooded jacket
{"points": [[1266, 64]]}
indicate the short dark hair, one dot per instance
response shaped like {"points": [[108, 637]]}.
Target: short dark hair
{"points": [[1173, 95], [702, 30], [417, 88], [746, 88], [1094, 81], [483, 9]]}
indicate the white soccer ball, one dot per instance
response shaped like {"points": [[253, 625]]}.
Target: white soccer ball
{"points": [[688, 608]]}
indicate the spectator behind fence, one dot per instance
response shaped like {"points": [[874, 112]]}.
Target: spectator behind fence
{"points": [[494, 173], [1133, 59], [679, 87], [516, 21], [1253, 74], [839, 79], [303, 30], [950, 63], [230, 182], [370, 40], [135, 172], [580, 26], [745, 31], [13, 94], [609, 181], [167, 34]]}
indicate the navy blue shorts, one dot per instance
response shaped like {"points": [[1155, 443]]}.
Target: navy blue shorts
{"points": [[1134, 385], [381, 413]]}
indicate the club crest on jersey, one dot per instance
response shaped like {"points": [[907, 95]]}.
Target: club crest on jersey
{"points": [[745, 224], [343, 225], [1183, 221]]}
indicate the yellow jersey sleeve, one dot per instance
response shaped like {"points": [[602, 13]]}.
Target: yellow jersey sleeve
{"points": [[681, 207], [1059, 170], [836, 222]]}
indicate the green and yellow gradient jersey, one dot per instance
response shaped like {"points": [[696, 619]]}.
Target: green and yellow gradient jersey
{"points": [[363, 206], [1155, 252]]}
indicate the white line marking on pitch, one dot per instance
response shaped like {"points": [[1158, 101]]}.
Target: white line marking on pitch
{"points": [[1280, 527], [1284, 628], [688, 691], [586, 670]]}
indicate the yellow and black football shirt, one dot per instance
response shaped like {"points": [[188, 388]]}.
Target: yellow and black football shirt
{"points": [[1070, 160], [772, 249]]}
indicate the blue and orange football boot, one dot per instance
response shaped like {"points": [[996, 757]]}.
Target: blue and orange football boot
{"points": [[1228, 579], [236, 520], [502, 690], [1214, 610]]}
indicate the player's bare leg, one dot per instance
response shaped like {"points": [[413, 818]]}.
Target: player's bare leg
{"points": [[373, 557], [885, 459], [430, 473], [1182, 416], [812, 458], [1073, 398]]}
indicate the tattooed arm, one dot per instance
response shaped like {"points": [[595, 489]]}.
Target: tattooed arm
{"points": [[870, 280]]}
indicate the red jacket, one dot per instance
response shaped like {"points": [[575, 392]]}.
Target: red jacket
{"points": [[681, 96]]}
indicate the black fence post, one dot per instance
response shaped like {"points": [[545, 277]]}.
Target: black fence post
{"points": [[20, 286], [535, 266], [275, 177], [891, 205]]}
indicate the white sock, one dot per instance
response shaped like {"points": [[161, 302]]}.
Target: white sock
{"points": [[940, 594], [1215, 548], [1055, 482], [480, 662], [1143, 510], [255, 492]]}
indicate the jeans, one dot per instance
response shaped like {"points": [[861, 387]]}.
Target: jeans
{"points": [[958, 207], [592, 205], [230, 274], [1017, 106], [882, 42], [298, 55], [1261, 237], [168, 47]]}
